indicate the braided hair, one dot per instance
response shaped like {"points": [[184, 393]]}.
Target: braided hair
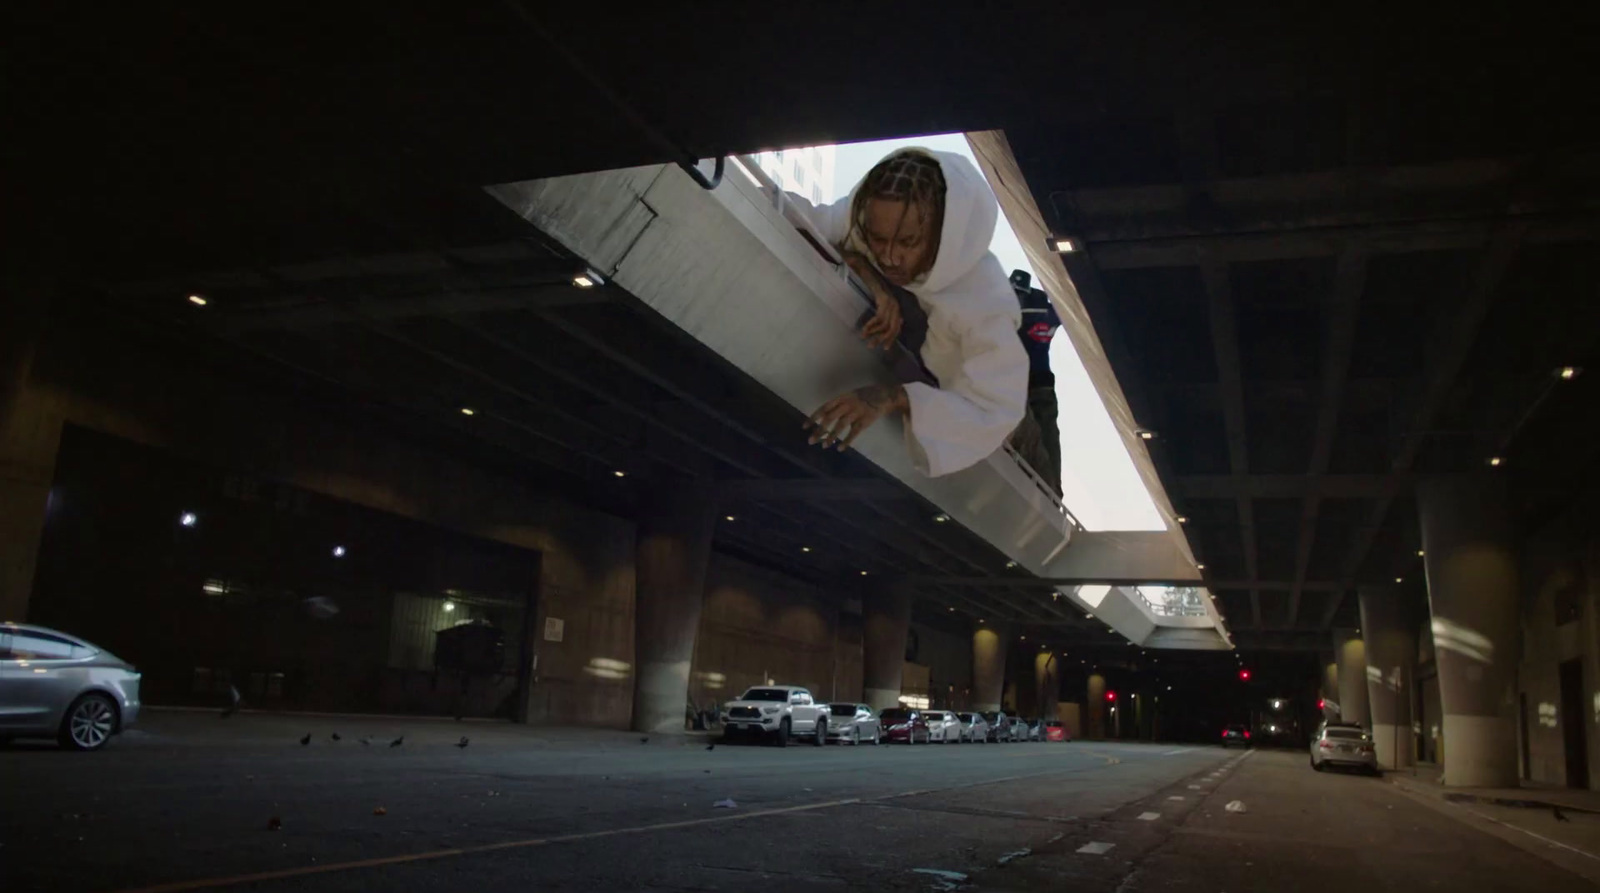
{"points": [[908, 176]]}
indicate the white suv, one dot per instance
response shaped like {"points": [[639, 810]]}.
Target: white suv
{"points": [[780, 711]]}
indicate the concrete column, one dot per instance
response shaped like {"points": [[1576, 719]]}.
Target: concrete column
{"points": [[886, 619], [29, 437], [1094, 708], [1472, 595], [1330, 691], [988, 667], [1391, 655], [1047, 676], [674, 548], [1350, 652]]}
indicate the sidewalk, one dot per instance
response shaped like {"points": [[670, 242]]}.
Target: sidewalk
{"points": [[1560, 824], [183, 727]]}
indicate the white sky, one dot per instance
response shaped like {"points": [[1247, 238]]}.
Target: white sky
{"points": [[1098, 480]]}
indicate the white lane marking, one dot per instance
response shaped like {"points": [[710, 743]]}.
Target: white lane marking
{"points": [[1235, 806], [1097, 848], [1171, 753], [1015, 854], [1194, 787], [1176, 797], [1149, 816]]}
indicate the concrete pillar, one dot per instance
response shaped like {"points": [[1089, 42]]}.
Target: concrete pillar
{"points": [[988, 667], [29, 437], [1350, 652], [674, 548], [1047, 676], [886, 619], [1330, 691], [1391, 655], [1472, 596], [1094, 708]]}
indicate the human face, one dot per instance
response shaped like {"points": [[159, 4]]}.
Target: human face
{"points": [[899, 238]]}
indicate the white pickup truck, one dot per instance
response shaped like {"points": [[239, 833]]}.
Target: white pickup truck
{"points": [[778, 711]]}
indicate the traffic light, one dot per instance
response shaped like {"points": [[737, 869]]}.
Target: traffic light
{"points": [[1244, 675], [1111, 696], [1322, 704]]}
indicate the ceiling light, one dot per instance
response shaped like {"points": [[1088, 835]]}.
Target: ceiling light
{"points": [[805, 548], [1399, 579], [1088, 616], [588, 279], [952, 610], [1183, 519], [467, 410], [980, 619], [1024, 638], [863, 573], [1063, 246], [729, 518], [338, 551], [449, 606], [1420, 553], [941, 518], [188, 519], [1010, 564], [620, 473], [197, 300], [1565, 373], [1495, 461], [1146, 434], [1200, 567]]}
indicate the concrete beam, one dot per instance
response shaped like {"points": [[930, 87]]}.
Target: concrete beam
{"points": [[314, 313], [1225, 347], [812, 489], [1281, 486]]}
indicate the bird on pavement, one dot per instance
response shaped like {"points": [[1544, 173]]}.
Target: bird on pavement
{"points": [[398, 741], [334, 736], [367, 740], [645, 740], [463, 742], [306, 740], [1560, 816], [711, 746]]}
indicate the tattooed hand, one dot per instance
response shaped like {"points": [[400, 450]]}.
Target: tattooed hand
{"points": [[842, 419], [884, 326]]}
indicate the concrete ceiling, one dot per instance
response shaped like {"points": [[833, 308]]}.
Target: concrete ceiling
{"points": [[1324, 256]]}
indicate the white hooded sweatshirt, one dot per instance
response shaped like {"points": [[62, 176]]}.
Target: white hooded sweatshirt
{"points": [[973, 316]]}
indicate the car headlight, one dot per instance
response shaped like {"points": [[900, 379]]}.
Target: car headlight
{"points": [[770, 710]]}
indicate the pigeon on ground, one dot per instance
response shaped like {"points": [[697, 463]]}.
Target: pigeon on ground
{"points": [[334, 736], [645, 740], [366, 741], [1560, 816], [711, 746], [463, 742], [398, 741], [306, 740]]}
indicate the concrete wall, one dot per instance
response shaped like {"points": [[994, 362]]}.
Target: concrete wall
{"points": [[759, 625], [193, 413], [1559, 623], [948, 656]]}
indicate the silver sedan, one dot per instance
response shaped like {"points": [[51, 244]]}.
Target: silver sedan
{"points": [[53, 685], [855, 723], [1347, 745]]}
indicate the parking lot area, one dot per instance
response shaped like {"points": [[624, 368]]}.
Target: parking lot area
{"points": [[192, 801]]}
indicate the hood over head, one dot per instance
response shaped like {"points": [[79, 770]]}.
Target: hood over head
{"points": [[970, 214]]}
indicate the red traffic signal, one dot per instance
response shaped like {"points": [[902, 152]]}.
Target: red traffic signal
{"points": [[1244, 675], [1321, 704], [1111, 696]]}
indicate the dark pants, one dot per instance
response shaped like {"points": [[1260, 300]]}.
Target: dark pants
{"points": [[1037, 439]]}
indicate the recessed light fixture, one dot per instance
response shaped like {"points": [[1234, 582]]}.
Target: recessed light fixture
{"points": [[588, 279], [1495, 461], [729, 518], [449, 606], [1146, 434], [1024, 638], [1568, 373], [467, 410], [1183, 519], [1063, 246], [338, 551], [805, 548], [1420, 553], [980, 619], [1088, 616], [863, 573], [941, 518], [952, 610], [198, 300], [188, 519], [1399, 579], [1200, 567], [620, 473], [1010, 564]]}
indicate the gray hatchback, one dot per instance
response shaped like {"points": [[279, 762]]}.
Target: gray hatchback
{"points": [[53, 685], [1347, 745]]}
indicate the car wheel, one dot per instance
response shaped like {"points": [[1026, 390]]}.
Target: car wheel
{"points": [[89, 723], [821, 737], [875, 737], [782, 738], [1316, 765]]}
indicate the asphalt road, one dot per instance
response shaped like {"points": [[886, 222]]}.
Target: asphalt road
{"points": [[186, 804]]}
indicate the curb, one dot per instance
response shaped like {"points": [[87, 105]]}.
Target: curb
{"points": [[1487, 800]]}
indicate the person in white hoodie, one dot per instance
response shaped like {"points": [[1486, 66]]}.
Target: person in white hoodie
{"points": [[923, 220]]}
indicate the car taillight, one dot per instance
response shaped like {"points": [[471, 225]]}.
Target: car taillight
{"points": [[1225, 733], [1247, 734], [1325, 745]]}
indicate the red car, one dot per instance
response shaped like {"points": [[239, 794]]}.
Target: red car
{"points": [[1055, 731], [904, 725]]}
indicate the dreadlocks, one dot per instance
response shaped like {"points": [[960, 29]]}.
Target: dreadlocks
{"points": [[907, 176]]}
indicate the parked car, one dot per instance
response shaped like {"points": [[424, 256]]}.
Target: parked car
{"points": [[54, 685], [1055, 731], [778, 712], [1344, 745], [1236, 734], [904, 724], [855, 723], [943, 726], [973, 727], [1000, 726], [1035, 729]]}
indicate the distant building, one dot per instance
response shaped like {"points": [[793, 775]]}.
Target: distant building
{"points": [[807, 172]]}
